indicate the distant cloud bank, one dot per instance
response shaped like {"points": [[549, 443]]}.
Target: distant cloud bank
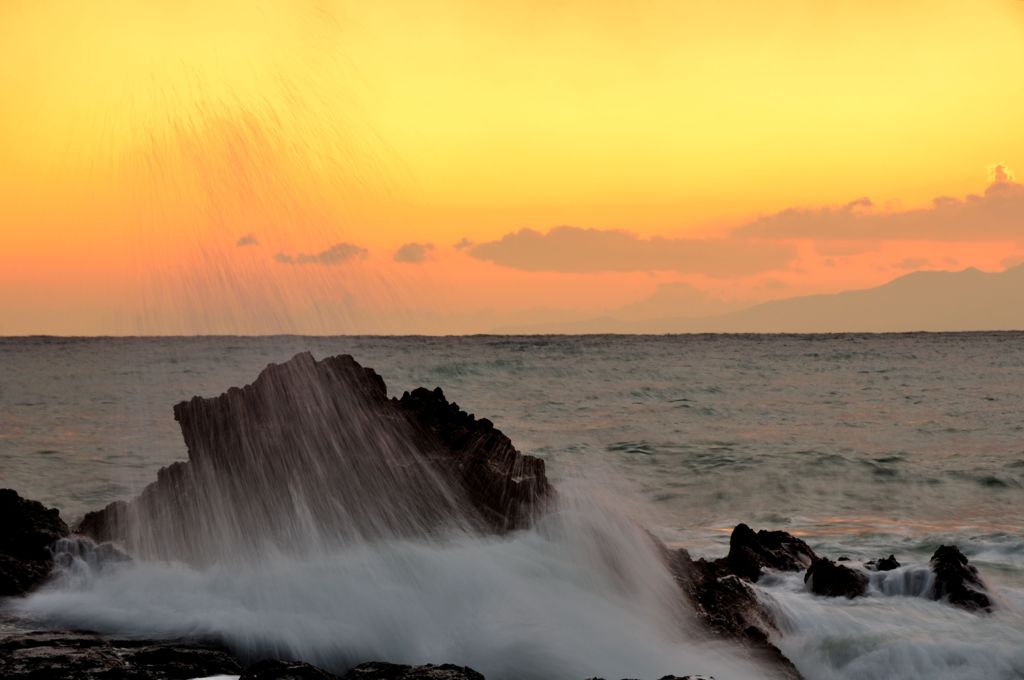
{"points": [[575, 249], [247, 240], [996, 215], [336, 254]]}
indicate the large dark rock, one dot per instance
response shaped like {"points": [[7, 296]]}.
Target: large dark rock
{"points": [[83, 656], [825, 577], [321, 439], [957, 580], [377, 670], [501, 483], [750, 552], [28, 531], [728, 606]]}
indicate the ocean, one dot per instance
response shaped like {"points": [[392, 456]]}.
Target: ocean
{"points": [[862, 445]]}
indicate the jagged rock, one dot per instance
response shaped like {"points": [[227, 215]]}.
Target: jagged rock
{"points": [[29, 531], [958, 581], [502, 484], [322, 439], [729, 607], [884, 563], [84, 656], [750, 552], [285, 670], [825, 577], [389, 671]]}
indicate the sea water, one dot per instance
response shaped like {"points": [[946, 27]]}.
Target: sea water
{"points": [[863, 445]]}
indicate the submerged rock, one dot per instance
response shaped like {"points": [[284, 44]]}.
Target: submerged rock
{"points": [[84, 656], [825, 577], [957, 581], [314, 452], [29, 530], [377, 670]]}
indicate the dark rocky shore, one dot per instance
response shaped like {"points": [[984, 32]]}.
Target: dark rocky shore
{"points": [[498, 490]]}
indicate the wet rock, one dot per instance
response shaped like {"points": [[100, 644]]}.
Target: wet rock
{"points": [[389, 671], [825, 577], [750, 552], [84, 656], [322, 439], [728, 606], [29, 530], [887, 563], [957, 581], [285, 670], [502, 484]]}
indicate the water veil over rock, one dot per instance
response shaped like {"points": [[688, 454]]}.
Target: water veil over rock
{"points": [[319, 520], [312, 455]]}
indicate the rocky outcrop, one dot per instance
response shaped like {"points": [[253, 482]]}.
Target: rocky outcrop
{"points": [[29, 530], [751, 552], [957, 581], [83, 656], [502, 484], [322, 439], [390, 671], [825, 577], [723, 598], [883, 564]]}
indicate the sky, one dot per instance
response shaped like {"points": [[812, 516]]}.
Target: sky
{"points": [[272, 166]]}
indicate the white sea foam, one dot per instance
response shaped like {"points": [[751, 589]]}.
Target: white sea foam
{"points": [[897, 632], [584, 593]]}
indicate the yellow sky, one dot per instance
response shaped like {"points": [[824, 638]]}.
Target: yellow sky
{"points": [[139, 140]]}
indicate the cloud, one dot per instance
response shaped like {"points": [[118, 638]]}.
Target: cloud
{"points": [[413, 253], [463, 244], [336, 254], [574, 249], [1000, 174], [997, 215], [845, 248], [247, 240]]}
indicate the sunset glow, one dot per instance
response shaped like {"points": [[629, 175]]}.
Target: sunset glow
{"points": [[334, 167]]}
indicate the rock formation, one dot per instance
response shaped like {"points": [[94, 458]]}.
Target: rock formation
{"points": [[750, 552], [271, 669], [390, 671], [322, 440], [84, 656], [29, 531], [721, 593], [957, 581], [825, 577], [883, 564]]}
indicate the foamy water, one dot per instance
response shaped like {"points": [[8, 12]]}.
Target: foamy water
{"points": [[863, 445]]}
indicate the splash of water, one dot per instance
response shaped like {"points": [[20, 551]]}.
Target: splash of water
{"points": [[583, 593]]}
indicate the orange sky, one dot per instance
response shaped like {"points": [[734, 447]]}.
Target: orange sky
{"points": [[140, 141]]}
